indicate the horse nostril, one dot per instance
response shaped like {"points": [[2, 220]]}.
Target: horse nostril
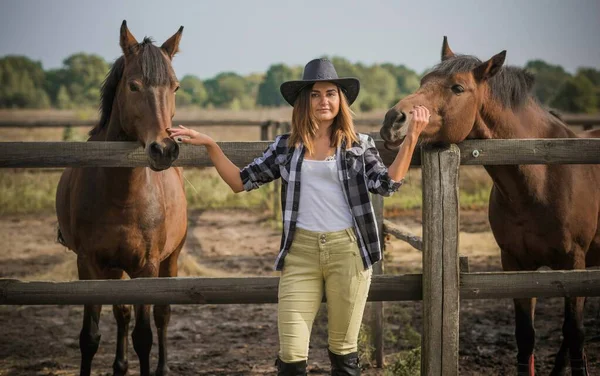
{"points": [[156, 149], [400, 119]]}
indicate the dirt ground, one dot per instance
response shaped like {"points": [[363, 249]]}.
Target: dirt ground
{"points": [[242, 339]]}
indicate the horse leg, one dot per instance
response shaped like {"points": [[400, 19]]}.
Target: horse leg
{"points": [[573, 330], [525, 335], [524, 318], [89, 337], [574, 335], [122, 315], [142, 332], [162, 314]]}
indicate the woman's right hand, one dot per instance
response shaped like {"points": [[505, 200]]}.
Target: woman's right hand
{"points": [[189, 136]]}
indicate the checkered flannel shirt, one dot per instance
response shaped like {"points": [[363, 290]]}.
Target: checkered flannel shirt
{"points": [[360, 171]]}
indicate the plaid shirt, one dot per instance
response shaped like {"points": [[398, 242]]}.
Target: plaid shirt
{"points": [[360, 170]]}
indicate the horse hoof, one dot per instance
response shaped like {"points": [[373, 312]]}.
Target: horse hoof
{"points": [[162, 371], [120, 368], [527, 369]]}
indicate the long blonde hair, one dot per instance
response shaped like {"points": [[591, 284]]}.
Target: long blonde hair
{"points": [[305, 125]]}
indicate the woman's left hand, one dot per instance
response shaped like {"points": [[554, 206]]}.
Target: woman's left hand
{"points": [[418, 121]]}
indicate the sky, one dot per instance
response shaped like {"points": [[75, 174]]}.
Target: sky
{"points": [[248, 36]]}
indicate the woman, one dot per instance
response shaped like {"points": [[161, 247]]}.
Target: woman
{"points": [[330, 239]]}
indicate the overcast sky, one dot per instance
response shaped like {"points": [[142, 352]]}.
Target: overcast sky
{"points": [[248, 36]]}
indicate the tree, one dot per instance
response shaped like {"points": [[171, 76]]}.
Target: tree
{"points": [[224, 88], [594, 76], [82, 75], [576, 95], [407, 80], [191, 91], [63, 100], [268, 90], [380, 84], [22, 83], [548, 79]]}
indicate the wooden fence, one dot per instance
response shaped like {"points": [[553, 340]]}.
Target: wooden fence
{"points": [[441, 286], [587, 121]]}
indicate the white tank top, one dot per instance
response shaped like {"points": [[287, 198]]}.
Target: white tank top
{"points": [[322, 207]]}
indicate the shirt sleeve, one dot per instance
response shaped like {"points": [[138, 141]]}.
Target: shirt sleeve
{"points": [[263, 169], [378, 179]]}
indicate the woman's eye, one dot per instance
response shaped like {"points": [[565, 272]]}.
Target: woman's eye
{"points": [[177, 88], [457, 89]]}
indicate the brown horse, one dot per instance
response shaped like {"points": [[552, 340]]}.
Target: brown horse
{"points": [[541, 215], [129, 220]]}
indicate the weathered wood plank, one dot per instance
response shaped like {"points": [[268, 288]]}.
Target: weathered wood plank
{"points": [[114, 154], [260, 290], [56, 123], [123, 154], [464, 263], [433, 243], [396, 231], [449, 166]]}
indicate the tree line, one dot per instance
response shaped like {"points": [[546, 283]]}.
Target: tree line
{"points": [[25, 84]]}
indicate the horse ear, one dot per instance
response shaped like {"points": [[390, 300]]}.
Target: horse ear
{"points": [[489, 68], [446, 51], [129, 44], [171, 46]]}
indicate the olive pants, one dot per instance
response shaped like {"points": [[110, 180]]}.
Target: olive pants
{"points": [[320, 262]]}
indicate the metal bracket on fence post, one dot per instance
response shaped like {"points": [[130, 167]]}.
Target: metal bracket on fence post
{"points": [[439, 354]]}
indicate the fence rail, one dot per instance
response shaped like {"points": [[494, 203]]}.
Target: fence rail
{"points": [[129, 154], [585, 120], [262, 290]]}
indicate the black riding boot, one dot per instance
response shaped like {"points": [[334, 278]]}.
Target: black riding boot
{"points": [[344, 365], [290, 369]]}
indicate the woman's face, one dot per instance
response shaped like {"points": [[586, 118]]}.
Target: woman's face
{"points": [[325, 101]]}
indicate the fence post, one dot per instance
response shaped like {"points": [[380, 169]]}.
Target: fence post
{"points": [[264, 130], [377, 318], [439, 354]]}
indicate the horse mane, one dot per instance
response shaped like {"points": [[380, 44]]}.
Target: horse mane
{"points": [[511, 86], [155, 72]]}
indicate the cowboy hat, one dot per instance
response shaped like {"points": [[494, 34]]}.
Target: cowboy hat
{"points": [[319, 70]]}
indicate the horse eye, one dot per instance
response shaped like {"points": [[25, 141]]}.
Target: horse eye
{"points": [[133, 87], [457, 89]]}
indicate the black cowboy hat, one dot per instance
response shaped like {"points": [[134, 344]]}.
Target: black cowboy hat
{"points": [[318, 70]]}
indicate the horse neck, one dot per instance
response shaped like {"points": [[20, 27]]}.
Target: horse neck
{"points": [[531, 121]]}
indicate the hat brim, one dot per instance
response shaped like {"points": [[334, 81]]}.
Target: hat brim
{"points": [[291, 89]]}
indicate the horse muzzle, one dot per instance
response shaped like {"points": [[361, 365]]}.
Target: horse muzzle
{"points": [[162, 155]]}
